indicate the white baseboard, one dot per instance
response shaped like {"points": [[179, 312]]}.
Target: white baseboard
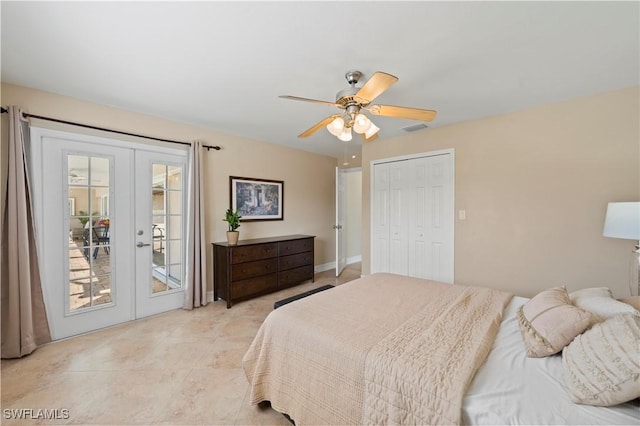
{"points": [[332, 265], [324, 267]]}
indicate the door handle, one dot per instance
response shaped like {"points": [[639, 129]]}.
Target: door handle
{"points": [[142, 245], [337, 226]]}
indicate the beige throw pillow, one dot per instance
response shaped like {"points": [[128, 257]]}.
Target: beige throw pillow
{"points": [[549, 322], [600, 302], [602, 366]]}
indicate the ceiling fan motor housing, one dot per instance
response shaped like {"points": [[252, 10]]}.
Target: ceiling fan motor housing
{"points": [[353, 77], [346, 96]]}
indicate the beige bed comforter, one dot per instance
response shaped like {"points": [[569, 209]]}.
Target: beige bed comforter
{"points": [[384, 349]]}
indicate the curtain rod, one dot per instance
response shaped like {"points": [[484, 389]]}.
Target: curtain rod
{"points": [[27, 115]]}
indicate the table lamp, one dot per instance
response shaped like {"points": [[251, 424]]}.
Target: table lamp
{"points": [[623, 221]]}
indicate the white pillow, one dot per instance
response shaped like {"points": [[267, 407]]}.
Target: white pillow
{"points": [[600, 302], [602, 365]]}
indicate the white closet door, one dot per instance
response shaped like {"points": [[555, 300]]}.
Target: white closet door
{"points": [[430, 218], [440, 211], [412, 217], [398, 226], [418, 217], [380, 219]]}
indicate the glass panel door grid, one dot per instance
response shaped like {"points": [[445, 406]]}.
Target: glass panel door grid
{"points": [[167, 201], [90, 277]]}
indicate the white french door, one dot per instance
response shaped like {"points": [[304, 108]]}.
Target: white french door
{"points": [[159, 230], [110, 225]]}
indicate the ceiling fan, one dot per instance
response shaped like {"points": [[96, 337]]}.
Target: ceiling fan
{"points": [[355, 99]]}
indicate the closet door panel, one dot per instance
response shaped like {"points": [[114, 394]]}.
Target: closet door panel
{"points": [[440, 225], [380, 220], [399, 198], [417, 217]]}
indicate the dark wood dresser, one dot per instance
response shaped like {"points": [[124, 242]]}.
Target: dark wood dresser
{"points": [[260, 266]]}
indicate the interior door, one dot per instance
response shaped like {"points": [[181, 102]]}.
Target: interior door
{"points": [[82, 199], [341, 250], [160, 205]]}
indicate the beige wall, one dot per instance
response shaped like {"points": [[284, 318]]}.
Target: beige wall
{"points": [[535, 186], [309, 178]]}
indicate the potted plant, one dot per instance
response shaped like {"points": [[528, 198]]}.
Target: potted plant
{"points": [[83, 217], [233, 218]]}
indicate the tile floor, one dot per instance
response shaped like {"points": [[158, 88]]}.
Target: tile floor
{"points": [[177, 368]]}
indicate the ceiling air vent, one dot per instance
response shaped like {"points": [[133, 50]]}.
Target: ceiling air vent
{"points": [[415, 127]]}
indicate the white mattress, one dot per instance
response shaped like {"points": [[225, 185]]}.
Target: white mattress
{"points": [[510, 388]]}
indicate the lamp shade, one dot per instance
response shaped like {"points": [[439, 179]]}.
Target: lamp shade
{"points": [[622, 221]]}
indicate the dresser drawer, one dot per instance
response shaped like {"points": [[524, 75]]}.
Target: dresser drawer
{"points": [[251, 286], [246, 270], [257, 252], [296, 260], [295, 246], [295, 276]]}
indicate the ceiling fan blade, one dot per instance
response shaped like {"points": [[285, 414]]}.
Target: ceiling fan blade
{"points": [[403, 112], [372, 138], [311, 130], [297, 98], [378, 83]]}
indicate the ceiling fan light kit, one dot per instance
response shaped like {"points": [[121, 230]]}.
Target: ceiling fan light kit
{"points": [[371, 132], [336, 126], [346, 135], [361, 123], [354, 99]]}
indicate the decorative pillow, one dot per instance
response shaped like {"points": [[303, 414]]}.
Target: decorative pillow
{"points": [[549, 322], [602, 366], [631, 300], [600, 302]]}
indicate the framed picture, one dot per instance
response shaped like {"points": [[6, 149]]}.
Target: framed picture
{"points": [[257, 199]]}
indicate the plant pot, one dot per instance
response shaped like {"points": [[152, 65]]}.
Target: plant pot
{"points": [[232, 237]]}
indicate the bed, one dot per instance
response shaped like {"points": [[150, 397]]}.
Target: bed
{"points": [[388, 349]]}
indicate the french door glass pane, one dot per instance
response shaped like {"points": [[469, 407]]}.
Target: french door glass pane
{"points": [[89, 260], [167, 200]]}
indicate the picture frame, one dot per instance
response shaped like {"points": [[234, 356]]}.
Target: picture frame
{"points": [[256, 199]]}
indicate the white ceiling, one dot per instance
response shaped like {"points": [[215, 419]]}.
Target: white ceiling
{"points": [[222, 65]]}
